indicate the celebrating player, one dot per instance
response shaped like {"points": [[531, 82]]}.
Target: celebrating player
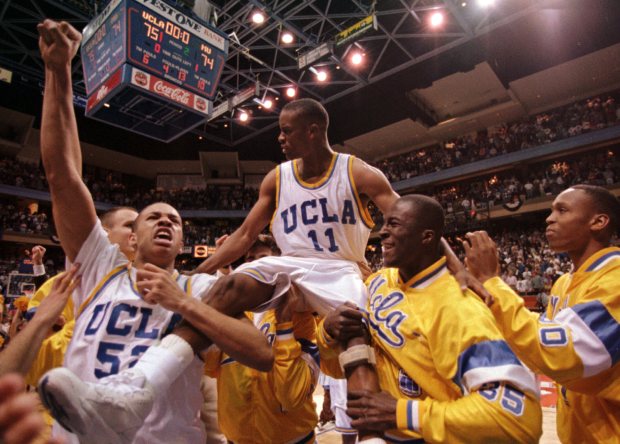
{"points": [[116, 320], [447, 373], [577, 341]]}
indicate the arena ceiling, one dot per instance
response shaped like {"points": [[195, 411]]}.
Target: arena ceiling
{"points": [[487, 58]]}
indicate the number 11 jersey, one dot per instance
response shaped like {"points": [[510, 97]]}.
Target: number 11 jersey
{"points": [[325, 219]]}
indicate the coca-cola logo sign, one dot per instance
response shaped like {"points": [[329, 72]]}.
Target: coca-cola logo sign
{"points": [[176, 94], [201, 104], [141, 78]]}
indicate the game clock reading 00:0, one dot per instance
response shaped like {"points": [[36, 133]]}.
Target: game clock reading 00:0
{"points": [[171, 52]]}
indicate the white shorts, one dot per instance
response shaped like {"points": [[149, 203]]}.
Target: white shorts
{"points": [[324, 283]]}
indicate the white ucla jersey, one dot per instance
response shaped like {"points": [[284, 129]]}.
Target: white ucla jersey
{"points": [[325, 219], [114, 326]]}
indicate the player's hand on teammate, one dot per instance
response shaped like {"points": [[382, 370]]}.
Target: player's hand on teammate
{"points": [[463, 276], [157, 286], [21, 421], [58, 43], [52, 306], [481, 255], [36, 254], [371, 411], [344, 323]]}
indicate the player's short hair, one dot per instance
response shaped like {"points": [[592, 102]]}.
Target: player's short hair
{"points": [[429, 213], [106, 217], [604, 202], [266, 241], [310, 109]]}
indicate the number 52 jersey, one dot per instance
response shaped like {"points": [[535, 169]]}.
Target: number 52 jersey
{"points": [[114, 326]]}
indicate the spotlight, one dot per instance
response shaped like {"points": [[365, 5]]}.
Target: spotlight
{"points": [[321, 75], [107, 105], [436, 19], [291, 92], [356, 58], [267, 103], [244, 116], [286, 38], [258, 17], [486, 3]]}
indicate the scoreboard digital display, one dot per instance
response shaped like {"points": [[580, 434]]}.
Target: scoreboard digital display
{"points": [[103, 45], [157, 38]]}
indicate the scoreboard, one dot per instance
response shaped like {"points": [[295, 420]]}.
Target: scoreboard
{"points": [[157, 38], [151, 47]]}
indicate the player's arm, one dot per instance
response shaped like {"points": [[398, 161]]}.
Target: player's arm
{"points": [[73, 209], [571, 347], [24, 347], [339, 326], [329, 349], [498, 414], [242, 239], [296, 368], [238, 338], [372, 184], [51, 354]]}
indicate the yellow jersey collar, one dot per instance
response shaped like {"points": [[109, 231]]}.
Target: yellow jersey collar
{"points": [[599, 259], [425, 277]]}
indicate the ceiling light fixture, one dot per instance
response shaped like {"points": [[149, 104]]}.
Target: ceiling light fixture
{"points": [[436, 19], [258, 17], [286, 38]]}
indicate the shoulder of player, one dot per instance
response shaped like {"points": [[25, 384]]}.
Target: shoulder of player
{"points": [[605, 281], [360, 167], [446, 294], [367, 176]]}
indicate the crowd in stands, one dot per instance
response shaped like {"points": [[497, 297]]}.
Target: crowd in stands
{"points": [[122, 189], [23, 220], [601, 167], [571, 120], [207, 231]]}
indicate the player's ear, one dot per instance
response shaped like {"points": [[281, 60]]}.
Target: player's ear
{"points": [[428, 236], [599, 222], [314, 129]]}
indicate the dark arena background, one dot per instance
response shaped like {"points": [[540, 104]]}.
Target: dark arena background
{"points": [[492, 107]]}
